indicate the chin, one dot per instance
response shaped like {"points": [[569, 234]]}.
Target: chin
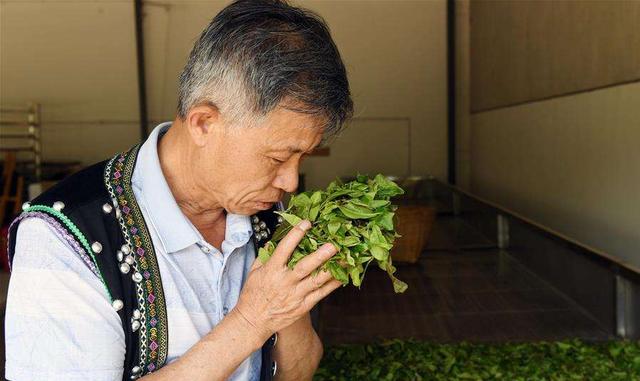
{"points": [[241, 211], [245, 210], [250, 208], [260, 206]]}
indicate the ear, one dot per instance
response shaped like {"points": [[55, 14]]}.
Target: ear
{"points": [[202, 120]]}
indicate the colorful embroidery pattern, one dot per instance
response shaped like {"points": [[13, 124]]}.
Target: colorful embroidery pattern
{"points": [[151, 304], [73, 230], [63, 233]]}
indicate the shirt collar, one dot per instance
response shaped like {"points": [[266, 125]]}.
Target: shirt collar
{"points": [[175, 230], [238, 229]]}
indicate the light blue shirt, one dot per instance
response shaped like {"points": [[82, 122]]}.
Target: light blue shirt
{"points": [[59, 323]]}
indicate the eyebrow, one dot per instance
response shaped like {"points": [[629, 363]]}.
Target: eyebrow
{"points": [[291, 149]]}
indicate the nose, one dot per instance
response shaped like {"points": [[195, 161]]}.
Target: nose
{"points": [[287, 178]]}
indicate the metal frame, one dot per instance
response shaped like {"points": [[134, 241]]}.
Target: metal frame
{"points": [[24, 131], [623, 304]]}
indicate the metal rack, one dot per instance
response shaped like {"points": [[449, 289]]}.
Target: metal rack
{"points": [[20, 134]]}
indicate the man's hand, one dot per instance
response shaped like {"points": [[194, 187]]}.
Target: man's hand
{"points": [[275, 296]]}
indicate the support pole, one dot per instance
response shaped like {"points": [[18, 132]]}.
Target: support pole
{"points": [[142, 83]]}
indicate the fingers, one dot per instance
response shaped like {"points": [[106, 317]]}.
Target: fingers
{"points": [[314, 281], [315, 296], [314, 260], [289, 243]]}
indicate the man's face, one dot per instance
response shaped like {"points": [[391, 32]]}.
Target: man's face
{"points": [[247, 169]]}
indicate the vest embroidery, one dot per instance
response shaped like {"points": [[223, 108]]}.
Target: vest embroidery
{"points": [[153, 329]]}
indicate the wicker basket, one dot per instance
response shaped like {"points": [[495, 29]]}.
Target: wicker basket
{"points": [[413, 223]]}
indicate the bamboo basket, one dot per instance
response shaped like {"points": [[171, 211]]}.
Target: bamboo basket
{"points": [[413, 223]]}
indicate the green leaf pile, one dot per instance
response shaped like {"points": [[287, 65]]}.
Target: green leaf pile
{"points": [[542, 361], [356, 217]]}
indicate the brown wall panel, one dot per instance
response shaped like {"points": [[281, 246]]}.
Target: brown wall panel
{"points": [[528, 50]]}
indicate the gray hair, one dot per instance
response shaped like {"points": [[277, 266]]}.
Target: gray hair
{"points": [[259, 54]]}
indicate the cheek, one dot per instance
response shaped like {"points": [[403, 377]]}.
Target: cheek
{"points": [[250, 176], [263, 176]]}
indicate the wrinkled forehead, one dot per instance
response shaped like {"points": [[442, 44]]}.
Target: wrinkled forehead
{"points": [[292, 131]]}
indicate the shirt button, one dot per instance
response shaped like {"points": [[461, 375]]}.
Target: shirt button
{"points": [[225, 311], [205, 249]]}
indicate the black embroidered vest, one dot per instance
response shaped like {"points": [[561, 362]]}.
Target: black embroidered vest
{"points": [[96, 211]]}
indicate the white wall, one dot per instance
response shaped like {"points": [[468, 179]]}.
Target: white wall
{"points": [[78, 60], [571, 163], [395, 53]]}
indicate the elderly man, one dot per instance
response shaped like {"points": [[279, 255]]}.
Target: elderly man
{"points": [[143, 266]]}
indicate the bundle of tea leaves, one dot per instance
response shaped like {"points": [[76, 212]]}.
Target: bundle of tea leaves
{"points": [[356, 217]]}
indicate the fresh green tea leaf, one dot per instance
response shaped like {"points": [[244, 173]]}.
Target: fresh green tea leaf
{"points": [[357, 217], [293, 220]]}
